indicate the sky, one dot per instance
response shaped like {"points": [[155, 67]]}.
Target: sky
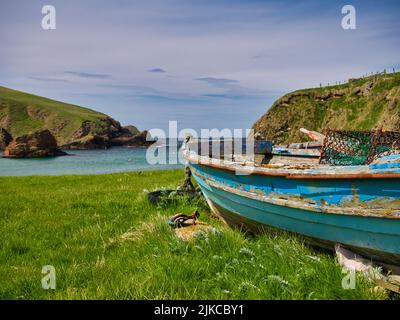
{"points": [[205, 64]]}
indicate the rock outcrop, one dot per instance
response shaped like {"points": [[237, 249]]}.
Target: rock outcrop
{"points": [[87, 142], [131, 129], [95, 134], [39, 144], [5, 138], [142, 139], [104, 134], [112, 134]]}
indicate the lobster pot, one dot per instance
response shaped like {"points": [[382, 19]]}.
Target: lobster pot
{"points": [[351, 148]]}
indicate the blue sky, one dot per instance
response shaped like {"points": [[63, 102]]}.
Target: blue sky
{"points": [[206, 64]]}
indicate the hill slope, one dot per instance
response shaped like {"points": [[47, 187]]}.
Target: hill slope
{"points": [[22, 113], [360, 104]]}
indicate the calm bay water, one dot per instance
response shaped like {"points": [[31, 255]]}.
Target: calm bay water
{"points": [[84, 162]]}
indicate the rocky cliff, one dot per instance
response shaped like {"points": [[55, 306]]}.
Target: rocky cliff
{"points": [[74, 127], [360, 104]]}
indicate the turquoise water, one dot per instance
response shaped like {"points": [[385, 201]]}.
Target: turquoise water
{"points": [[84, 162]]}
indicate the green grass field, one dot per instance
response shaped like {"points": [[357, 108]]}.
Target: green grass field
{"points": [[106, 241]]}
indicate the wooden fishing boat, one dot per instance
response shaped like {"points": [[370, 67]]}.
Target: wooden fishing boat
{"points": [[328, 191]]}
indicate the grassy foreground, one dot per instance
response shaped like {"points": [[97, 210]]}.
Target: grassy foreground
{"points": [[107, 242]]}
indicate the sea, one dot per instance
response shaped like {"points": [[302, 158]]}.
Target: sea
{"points": [[116, 159]]}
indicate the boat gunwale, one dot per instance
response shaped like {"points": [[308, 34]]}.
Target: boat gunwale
{"points": [[289, 173], [290, 203]]}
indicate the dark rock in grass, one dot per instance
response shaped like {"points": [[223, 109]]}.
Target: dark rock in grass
{"points": [[39, 144], [155, 197], [187, 189], [5, 138]]}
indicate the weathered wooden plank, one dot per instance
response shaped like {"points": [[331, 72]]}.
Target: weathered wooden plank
{"points": [[218, 148], [283, 151], [389, 285]]}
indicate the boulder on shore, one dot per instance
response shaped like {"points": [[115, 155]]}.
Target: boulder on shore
{"points": [[5, 138], [39, 144]]}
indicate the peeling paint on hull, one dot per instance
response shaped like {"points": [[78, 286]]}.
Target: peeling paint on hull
{"points": [[242, 223], [326, 212]]}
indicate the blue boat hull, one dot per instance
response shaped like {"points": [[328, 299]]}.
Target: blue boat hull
{"points": [[239, 201]]}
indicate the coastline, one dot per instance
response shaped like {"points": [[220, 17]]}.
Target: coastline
{"points": [[98, 161]]}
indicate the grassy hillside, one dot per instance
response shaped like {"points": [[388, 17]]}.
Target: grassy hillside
{"points": [[106, 241], [359, 104], [22, 113]]}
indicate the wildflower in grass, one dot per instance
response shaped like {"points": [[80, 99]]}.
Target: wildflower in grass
{"points": [[216, 232], [373, 273], [217, 257], [309, 272], [246, 251], [278, 249], [283, 283], [251, 262], [220, 275], [245, 285], [314, 258], [226, 291], [229, 267], [100, 262], [200, 235]]}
